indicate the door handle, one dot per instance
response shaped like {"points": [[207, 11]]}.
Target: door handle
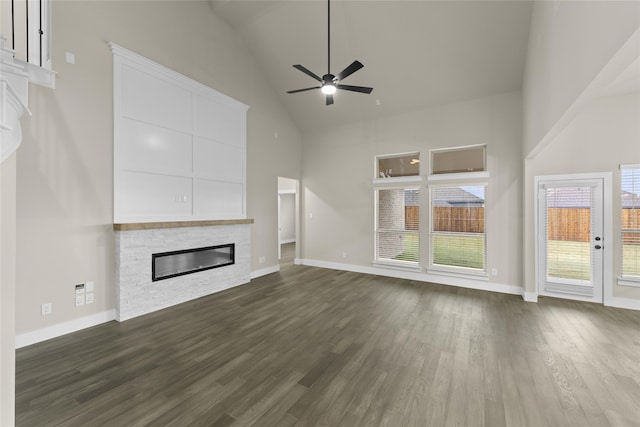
{"points": [[598, 247]]}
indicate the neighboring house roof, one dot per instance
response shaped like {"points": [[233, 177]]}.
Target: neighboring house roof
{"points": [[570, 198], [630, 200], [456, 197]]}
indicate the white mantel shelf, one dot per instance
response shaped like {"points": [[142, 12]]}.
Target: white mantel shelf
{"points": [[178, 224]]}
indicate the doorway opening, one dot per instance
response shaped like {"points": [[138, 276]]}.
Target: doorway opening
{"points": [[288, 226]]}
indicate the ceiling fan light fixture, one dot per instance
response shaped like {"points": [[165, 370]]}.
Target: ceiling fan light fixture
{"points": [[328, 89]]}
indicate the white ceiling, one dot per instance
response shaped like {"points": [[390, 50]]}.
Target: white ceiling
{"points": [[416, 54]]}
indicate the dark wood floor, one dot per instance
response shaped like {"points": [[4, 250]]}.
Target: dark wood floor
{"points": [[309, 346]]}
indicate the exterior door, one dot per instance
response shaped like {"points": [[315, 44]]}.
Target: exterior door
{"points": [[571, 242]]}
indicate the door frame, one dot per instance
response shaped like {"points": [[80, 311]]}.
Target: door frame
{"points": [[607, 228]]}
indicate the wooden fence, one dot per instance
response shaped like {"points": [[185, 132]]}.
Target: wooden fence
{"points": [[573, 224], [457, 220], [568, 224]]}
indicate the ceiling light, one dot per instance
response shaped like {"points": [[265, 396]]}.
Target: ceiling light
{"points": [[328, 89]]}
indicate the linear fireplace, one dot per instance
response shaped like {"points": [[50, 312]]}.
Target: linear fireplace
{"points": [[178, 263]]}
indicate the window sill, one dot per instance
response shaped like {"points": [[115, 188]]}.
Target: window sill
{"points": [[38, 75], [460, 272], [458, 176], [627, 281], [398, 180], [398, 265]]}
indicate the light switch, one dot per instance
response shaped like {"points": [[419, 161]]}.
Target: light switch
{"points": [[70, 57]]}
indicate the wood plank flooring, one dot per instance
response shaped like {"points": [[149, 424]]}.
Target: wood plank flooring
{"points": [[309, 346]]}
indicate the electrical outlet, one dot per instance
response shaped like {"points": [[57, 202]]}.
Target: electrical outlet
{"points": [[46, 308], [89, 298], [261, 260], [79, 300], [494, 271], [344, 254]]}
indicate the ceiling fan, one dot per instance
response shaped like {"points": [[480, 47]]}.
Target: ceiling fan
{"points": [[330, 82]]}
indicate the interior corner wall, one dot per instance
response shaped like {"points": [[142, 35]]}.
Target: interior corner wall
{"points": [[569, 44], [7, 289], [605, 134], [338, 169], [65, 168]]}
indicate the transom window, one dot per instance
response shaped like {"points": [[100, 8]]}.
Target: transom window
{"points": [[458, 160]]}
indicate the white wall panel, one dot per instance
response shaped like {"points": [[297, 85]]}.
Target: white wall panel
{"points": [[219, 122], [155, 100], [169, 133], [217, 199], [219, 161], [152, 148], [155, 196]]}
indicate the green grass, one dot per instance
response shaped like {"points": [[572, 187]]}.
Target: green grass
{"points": [[631, 260], [410, 249], [569, 260], [459, 251]]}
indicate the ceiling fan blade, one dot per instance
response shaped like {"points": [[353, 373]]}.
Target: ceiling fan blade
{"points": [[361, 89], [355, 66], [304, 90], [307, 72], [329, 99]]}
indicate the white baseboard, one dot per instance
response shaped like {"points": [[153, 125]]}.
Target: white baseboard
{"points": [[460, 282], [529, 296], [54, 331], [264, 271], [617, 302], [298, 261]]}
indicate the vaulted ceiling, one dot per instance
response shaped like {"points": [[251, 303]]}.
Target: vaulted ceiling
{"points": [[416, 54]]}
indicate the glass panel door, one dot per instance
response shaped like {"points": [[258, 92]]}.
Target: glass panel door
{"points": [[571, 241]]}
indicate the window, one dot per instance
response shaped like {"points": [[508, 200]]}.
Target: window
{"points": [[29, 35], [398, 166], [458, 160], [457, 233], [630, 225], [397, 226]]}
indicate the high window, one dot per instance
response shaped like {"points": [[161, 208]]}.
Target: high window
{"points": [[458, 160], [630, 225], [457, 232]]}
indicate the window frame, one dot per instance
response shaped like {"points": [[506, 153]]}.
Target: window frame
{"points": [[627, 279], [452, 269], [386, 262], [396, 179]]}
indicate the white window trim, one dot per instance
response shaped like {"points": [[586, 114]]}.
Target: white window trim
{"points": [[627, 280], [463, 272]]}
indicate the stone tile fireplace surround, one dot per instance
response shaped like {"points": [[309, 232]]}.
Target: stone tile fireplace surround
{"points": [[137, 294]]}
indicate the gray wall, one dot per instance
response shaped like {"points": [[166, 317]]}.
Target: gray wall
{"points": [[338, 170], [64, 190]]}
